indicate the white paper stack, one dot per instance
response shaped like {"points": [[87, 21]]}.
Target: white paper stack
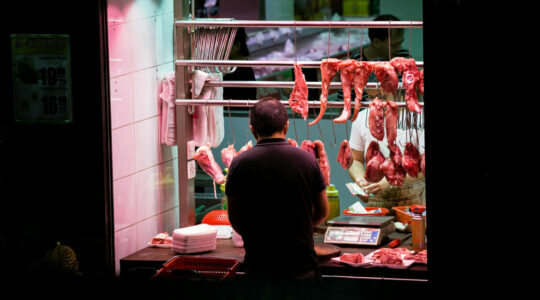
{"points": [[193, 239]]}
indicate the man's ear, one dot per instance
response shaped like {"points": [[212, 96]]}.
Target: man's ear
{"points": [[286, 128]]}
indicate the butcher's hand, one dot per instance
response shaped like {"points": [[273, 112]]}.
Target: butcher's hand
{"points": [[371, 187]]}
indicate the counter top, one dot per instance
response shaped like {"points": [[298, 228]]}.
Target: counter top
{"points": [[150, 259]]}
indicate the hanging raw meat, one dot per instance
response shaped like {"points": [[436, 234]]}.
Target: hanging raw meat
{"points": [[292, 142], [410, 77], [246, 147], [393, 171], [347, 80], [205, 159], [387, 76], [324, 164], [372, 150], [421, 83], [308, 146], [411, 160], [344, 156], [391, 119], [329, 68], [376, 119], [374, 160], [298, 99], [227, 155], [423, 164], [361, 76]]}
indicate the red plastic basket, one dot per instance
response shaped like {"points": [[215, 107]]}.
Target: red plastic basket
{"points": [[198, 268], [216, 217], [383, 212]]}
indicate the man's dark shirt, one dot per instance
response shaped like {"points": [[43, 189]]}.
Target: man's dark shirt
{"points": [[275, 186]]}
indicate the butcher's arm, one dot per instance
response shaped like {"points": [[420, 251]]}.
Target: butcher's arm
{"points": [[357, 169], [320, 208], [234, 213]]}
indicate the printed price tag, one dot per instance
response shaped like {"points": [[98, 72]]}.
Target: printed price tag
{"points": [[41, 78]]}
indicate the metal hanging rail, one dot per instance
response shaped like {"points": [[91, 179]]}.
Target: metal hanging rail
{"points": [[249, 103], [283, 84], [258, 63], [313, 24]]}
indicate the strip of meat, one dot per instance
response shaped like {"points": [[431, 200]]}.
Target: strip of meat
{"points": [[387, 76], [411, 160], [329, 68], [205, 159], [373, 171], [410, 77], [227, 155], [361, 77], [246, 147], [391, 119], [308, 146], [423, 164], [345, 157], [347, 69], [320, 154], [421, 83], [376, 119], [292, 142], [298, 99]]}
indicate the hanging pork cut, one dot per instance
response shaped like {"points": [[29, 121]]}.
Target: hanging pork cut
{"points": [[246, 147], [309, 147], [299, 96], [345, 157], [205, 159], [392, 168], [361, 77], [374, 159], [411, 160], [376, 119], [391, 119], [227, 155], [410, 77], [324, 164], [387, 76], [347, 68], [292, 142], [329, 68]]}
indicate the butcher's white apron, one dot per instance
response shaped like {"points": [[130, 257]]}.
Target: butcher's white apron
{"points": [[405, 195]]}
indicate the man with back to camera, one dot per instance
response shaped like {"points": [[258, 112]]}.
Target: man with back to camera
{"points": [[276, 194]]}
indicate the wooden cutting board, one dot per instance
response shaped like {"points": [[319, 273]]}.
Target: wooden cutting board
{"points": [[326, 251]]}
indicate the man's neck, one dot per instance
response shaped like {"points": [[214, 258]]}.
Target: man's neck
{"points": [[277, 135]]}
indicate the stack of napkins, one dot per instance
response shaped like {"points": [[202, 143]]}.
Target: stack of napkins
{"points": [[193, 239]]}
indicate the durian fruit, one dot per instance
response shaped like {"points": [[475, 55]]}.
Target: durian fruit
{"points": [[63, 258]]}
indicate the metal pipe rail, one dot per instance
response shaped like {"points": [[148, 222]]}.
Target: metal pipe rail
{"points": [[313, 24], [258, 63], [250, 103], [283, 84]]}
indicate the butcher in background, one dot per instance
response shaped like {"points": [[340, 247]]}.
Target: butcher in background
{"points": [[412, 190], [276, 195]]}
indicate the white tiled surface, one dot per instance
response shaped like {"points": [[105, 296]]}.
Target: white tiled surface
{"points": [[147, 148], [145, 181]]}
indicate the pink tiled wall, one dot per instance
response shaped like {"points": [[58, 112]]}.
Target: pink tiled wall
{"points": [[145, 182]]}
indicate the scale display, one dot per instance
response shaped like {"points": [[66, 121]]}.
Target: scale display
{"points": [[353, 235]]}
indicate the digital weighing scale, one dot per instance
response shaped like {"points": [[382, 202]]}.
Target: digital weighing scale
{"points": [[358, 230]]}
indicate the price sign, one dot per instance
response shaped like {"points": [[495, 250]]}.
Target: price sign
{"points": [[41, 78]]}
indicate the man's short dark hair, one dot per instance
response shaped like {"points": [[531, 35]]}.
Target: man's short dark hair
{"points": [[268, 116], [382, 33]]}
